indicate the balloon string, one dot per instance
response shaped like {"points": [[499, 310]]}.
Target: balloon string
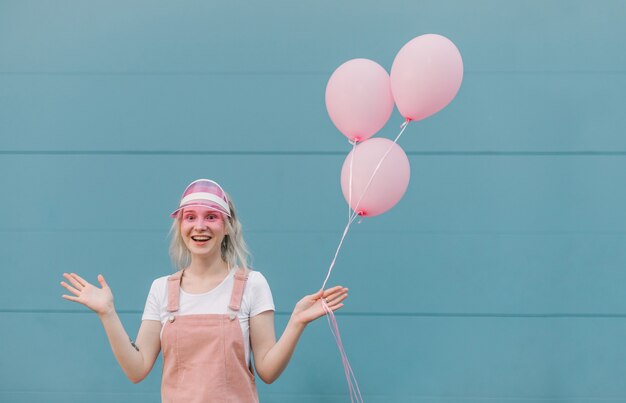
{"points": [[402, 127], [354, 391], [332, 264], [353, 387], [353, 142]]}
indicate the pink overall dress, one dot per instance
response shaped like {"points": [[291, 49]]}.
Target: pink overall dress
{"points": [[203, 355]]}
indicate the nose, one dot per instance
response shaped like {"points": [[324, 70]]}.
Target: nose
{"points": [[200, 225]]}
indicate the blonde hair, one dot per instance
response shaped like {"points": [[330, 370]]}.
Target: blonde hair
{"points": [[234, 249]]}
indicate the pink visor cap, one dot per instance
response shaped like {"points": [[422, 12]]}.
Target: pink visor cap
{"points": [[204, 193]]}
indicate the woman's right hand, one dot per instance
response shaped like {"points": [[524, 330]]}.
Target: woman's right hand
{"points": [[99, 300]]}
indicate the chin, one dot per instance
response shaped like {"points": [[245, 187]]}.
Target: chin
{"points": [[195, 250]]}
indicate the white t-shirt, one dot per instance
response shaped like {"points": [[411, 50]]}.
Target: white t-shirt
{"points": [[257, 298]]}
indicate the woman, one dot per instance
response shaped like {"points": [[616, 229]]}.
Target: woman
{"points": [[191, 314]]}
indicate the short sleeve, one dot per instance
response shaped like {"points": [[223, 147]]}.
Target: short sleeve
{"points": [[152, 310], [261, 295]]}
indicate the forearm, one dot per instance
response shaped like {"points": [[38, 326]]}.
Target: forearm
{"points": [[276, 359], [130, 359]]}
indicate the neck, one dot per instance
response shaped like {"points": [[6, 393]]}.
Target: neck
{"points": [[207, 266]]}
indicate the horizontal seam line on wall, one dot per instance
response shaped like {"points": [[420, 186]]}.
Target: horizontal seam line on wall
{"points": [[311, 153], [472, 398], [559, 399], [487, 233], [280, 73], [377, 314], [79, 393]]}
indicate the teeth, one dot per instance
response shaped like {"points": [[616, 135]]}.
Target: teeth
{"points": [[200, 238]]}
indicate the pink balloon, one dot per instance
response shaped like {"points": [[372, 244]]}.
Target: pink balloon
{"points": [[389, 183], [358, 98], [425, 76]]}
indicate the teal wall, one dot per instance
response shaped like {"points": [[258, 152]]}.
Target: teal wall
{"points": [[499, 277]]}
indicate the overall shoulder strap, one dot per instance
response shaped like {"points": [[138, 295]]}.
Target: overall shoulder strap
{"points": [[241, 277], [173, 291]]}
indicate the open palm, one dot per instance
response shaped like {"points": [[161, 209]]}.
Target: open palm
{"points": [[310, 307], [99, 300]]}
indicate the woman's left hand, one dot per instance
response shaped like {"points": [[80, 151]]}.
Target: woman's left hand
{"points": [[310, 307]]}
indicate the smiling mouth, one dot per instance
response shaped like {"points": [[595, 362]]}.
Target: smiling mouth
{"points": [[200, 238]]}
